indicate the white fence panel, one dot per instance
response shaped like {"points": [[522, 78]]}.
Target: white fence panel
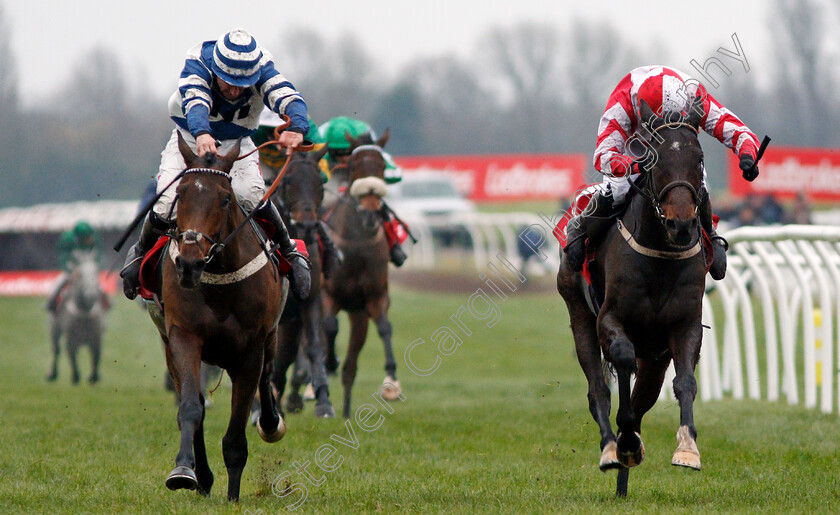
{"points": [[793, 274]]}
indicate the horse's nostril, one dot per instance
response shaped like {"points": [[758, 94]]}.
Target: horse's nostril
{"points": [[179, 263]]}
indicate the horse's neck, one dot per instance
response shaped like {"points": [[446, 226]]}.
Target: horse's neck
{"points": [[644, 224]]}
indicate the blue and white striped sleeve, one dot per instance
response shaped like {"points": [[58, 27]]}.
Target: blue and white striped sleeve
{"points": [[194, 86], [281, 97]]}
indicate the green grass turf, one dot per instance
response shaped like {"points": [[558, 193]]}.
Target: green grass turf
{"points": [[501, 426]]}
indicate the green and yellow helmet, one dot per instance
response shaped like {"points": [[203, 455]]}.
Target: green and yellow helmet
{"points": [[333, 132]]}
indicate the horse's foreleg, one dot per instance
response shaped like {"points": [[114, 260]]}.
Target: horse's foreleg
{"points": [[72, 351], [95, 354], [314, 350], [234, 443], [202, 468], [287, 352], [631, 450], [686, 352], [358, 334], [183, 356], [378, 311], [55, 338], [270, 425], [330, 333]]}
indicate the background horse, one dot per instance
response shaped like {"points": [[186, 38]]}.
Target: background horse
{"points": [[300, 194], [360, 285], [651, 299], [80, 316], [222, 303]]}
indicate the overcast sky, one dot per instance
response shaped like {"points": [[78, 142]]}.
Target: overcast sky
{"points": [[151, 37]]}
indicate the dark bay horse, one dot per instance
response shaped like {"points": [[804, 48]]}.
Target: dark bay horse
{"points": [[80, 317], [300, 195], [649, 274], [222, 305], [360, 285]]}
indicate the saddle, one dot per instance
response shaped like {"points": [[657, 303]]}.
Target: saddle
{"points": [[151, 269]]}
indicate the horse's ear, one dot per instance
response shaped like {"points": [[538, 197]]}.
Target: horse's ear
{"points": [[649, 118], [320, 153], [186, 151], [350, 139], [233, 155], [384, 138], [695, 112]]}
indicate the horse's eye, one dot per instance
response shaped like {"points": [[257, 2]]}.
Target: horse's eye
{"points": [[226, 202]]}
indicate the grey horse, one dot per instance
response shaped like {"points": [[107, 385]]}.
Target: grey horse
{"points": [[80, 316]]}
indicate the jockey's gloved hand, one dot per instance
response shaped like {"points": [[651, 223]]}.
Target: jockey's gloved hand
{"points": [[748, 167]]}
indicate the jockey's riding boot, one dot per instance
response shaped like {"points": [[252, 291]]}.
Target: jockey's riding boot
{"points": [[719, 243], [300, 279], [397, 254], [591, 224], [333, 256], [153, 226]]}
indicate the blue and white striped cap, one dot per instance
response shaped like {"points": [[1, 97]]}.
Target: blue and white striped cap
{"points": [[236, 59]]}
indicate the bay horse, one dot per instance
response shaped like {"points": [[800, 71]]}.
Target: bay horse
{"points": [[300, 195], [80, 317], [649, 275], [360, 285], [222, 303]]}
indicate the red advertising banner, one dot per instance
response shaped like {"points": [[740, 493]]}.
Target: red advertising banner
{"points": [[511, 177], [786, 171], [40, 283]]}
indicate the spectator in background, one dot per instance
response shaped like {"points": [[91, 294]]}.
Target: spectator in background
{"points": [[800, 212]]}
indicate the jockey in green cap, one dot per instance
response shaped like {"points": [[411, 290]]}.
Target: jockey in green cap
{"points": [[81, 238]]}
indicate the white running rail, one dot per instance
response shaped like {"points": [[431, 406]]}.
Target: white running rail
{"points": [[787, 279]]}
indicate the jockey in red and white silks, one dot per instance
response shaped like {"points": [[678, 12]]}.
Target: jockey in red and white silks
{"points": [[621, 144], [665, 90]]}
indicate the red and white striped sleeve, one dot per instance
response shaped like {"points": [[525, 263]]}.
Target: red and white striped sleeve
{"points": [[617, 124], [722, 124]]}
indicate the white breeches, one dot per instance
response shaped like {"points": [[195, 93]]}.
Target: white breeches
{"points": [[247, 181]]}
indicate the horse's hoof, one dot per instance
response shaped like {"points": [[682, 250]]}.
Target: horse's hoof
{"points": [[634, 456], [272, 436], [687, 454], [391, 389], [182, 477], [93, 379], [52, 377], [609, 457], [294, 403], [325, 410]]}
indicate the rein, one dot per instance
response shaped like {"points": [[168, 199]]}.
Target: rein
{"points": [[305, 147]]}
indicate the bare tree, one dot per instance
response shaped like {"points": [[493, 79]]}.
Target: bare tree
{"points": [[336, 78], [524, 60], [805, 78]]}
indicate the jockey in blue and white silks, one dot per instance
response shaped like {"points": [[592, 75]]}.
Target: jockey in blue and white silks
{"points": [[223, 88]]}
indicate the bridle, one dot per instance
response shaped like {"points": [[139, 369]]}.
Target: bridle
{"points": [[648, 187], [193, 237]]}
